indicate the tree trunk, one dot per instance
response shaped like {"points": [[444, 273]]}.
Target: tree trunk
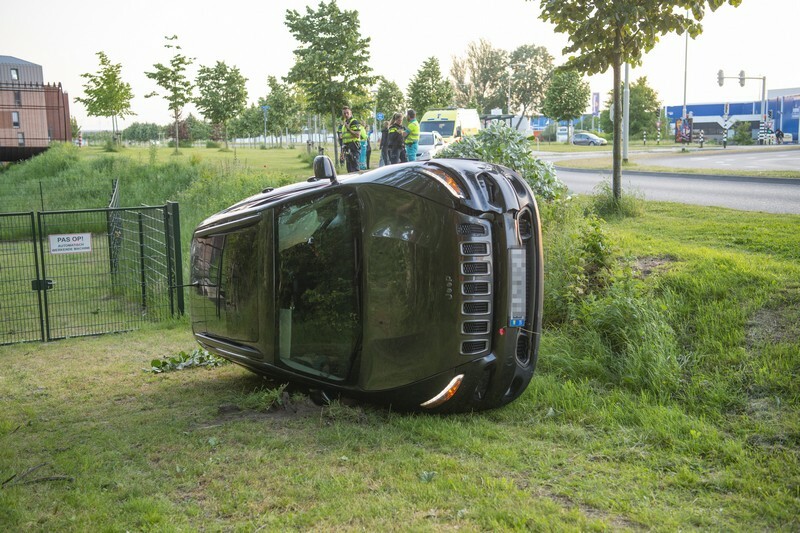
{"points": [[616, 163], [177, 139]]}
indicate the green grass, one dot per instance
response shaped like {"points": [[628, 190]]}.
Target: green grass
{"points": [[582, 449]]}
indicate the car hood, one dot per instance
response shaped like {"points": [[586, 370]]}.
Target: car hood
{"points": [[410, 261]]}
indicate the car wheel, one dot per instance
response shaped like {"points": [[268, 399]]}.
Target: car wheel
{"points": [[591, 143]]}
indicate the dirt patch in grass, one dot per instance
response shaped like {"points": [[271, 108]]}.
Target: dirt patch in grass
{"points": [[778, 321], [645, 266], [614, 521], [287, 409]]}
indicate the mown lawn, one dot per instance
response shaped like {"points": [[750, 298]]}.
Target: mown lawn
{"points": [[89, 441]]}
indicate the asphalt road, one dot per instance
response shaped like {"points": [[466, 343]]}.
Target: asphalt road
{"points": [[766, 158], [770, 195]]}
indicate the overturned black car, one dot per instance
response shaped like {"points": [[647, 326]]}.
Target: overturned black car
{"points": [[417, 285]]}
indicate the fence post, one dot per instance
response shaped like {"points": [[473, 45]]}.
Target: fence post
{"points": [[168, 244], [175, 218], [38, 277], [141, 260], [40, 223]]}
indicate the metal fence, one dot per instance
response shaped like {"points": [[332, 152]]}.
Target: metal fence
{"points": [[87, 272]]}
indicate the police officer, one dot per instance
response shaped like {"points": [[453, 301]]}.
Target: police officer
{"points": [[350, 139], [412, 135], [394, 140]]}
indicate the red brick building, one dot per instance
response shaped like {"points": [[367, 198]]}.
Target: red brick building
{"points": [[32, 114]]}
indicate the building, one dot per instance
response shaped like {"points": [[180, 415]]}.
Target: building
{"points": [[32, 113], [782, 113]]}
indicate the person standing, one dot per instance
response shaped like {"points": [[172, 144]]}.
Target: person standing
{"points": [[412, 135], [395, 140], [384, 160], [362, 158], [369, 147], [350, 139]]}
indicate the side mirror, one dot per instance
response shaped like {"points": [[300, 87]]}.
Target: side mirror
{"points": [[324, 169]]}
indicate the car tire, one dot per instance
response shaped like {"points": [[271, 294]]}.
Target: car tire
{"points": [[591, 143]]}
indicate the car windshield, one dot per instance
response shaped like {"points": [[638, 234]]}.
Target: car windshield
{"points": [[318, 284], [426, 138], [444, 127]]}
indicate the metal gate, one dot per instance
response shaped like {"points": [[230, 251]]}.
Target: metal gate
{"points": [[87, 272]]}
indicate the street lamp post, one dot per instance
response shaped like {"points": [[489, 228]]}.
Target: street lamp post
{"points": [[375, 113]]}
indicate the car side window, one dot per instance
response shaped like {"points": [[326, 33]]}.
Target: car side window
{"points": [[318, 285]]}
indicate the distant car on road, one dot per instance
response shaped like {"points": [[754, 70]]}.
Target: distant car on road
{"points": [[588, 139], [429, 145], [417, 285]]}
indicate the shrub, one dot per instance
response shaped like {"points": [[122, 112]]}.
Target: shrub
{"points": [[212, 144], [578, 258], [742, 133], [506, 146]]}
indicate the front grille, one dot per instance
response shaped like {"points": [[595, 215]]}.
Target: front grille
{"points": [[475, 268], [476, 308], [474, 248], [474, 287], [476, 327], [471, 229], [473, 347]]}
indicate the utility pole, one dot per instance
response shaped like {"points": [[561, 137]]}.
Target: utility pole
{"points": [[626, 114]]}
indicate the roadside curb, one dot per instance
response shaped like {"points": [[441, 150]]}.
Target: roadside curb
{"points": [[708, 177]]}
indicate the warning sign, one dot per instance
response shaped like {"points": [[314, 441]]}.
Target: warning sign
{"points": [[72, 243]]}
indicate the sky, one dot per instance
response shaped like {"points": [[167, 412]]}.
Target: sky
{"points": [[759, 37]]}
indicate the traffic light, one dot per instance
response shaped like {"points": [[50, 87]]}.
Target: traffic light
{"points": [[741, 78], [769, 114], [720, 78]]}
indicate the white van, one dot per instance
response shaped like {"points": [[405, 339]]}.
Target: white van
{"points": [[452, 123]]}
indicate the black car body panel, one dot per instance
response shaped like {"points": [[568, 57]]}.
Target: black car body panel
{"points": [[417, 285]]}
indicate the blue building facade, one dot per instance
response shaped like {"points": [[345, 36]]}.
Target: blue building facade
{"points": [[782, 113]]}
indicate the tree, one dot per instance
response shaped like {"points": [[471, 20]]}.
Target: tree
{"points": [[390, 99], [607, 34], [644, 109], [284, 107], [743, 133], [106, 94], [196, 130], [250, 122], [567, 95], [141, 132], [531, 69], [428, 90], [481, 77], [74, 126], [172, 79], [332, 62], [221, 94]]}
